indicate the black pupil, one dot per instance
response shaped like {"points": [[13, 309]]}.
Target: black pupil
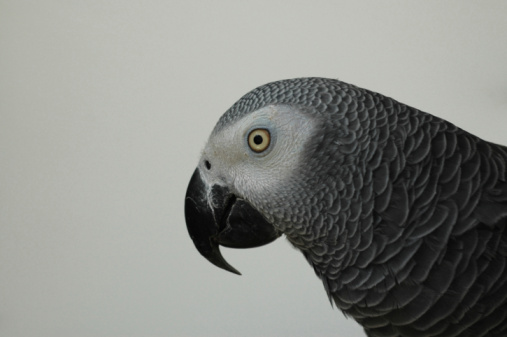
{"points": [[257, 140]]}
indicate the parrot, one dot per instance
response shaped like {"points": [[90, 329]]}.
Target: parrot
{"points": [[401, 214]]}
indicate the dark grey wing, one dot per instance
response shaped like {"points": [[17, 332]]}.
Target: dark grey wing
{"points": [[449, 262]]}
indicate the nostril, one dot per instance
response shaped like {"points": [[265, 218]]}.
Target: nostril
{"points": [[207, 164]]}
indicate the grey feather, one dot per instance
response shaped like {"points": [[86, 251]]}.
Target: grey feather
{"points": [[400, 213]]}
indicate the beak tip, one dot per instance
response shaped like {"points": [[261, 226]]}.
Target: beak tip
{"points": [[215, 257], [236, 272]]}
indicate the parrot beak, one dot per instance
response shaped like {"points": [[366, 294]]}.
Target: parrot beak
{"points": [[216, 217]]}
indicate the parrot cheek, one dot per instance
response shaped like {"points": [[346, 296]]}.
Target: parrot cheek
{"points": [[216, 217]]}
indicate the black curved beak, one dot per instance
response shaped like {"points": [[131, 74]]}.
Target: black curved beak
{"points": [[216, 217]]}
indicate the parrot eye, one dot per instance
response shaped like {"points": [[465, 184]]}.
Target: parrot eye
{"points": [[259, 140]]}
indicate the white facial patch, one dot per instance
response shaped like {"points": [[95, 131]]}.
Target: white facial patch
{"points": [[247, 172]]}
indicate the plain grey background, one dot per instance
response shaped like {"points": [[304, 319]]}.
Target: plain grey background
{"points": [[106, 105]]}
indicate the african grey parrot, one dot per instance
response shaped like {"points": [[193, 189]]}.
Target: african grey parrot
{"points": [[401, 214]]}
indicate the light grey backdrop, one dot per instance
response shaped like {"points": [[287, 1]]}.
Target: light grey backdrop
{"points": [[105, 106]]}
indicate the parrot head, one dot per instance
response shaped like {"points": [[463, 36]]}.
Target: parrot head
{"points": [[242, 176], [278, 162]]}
